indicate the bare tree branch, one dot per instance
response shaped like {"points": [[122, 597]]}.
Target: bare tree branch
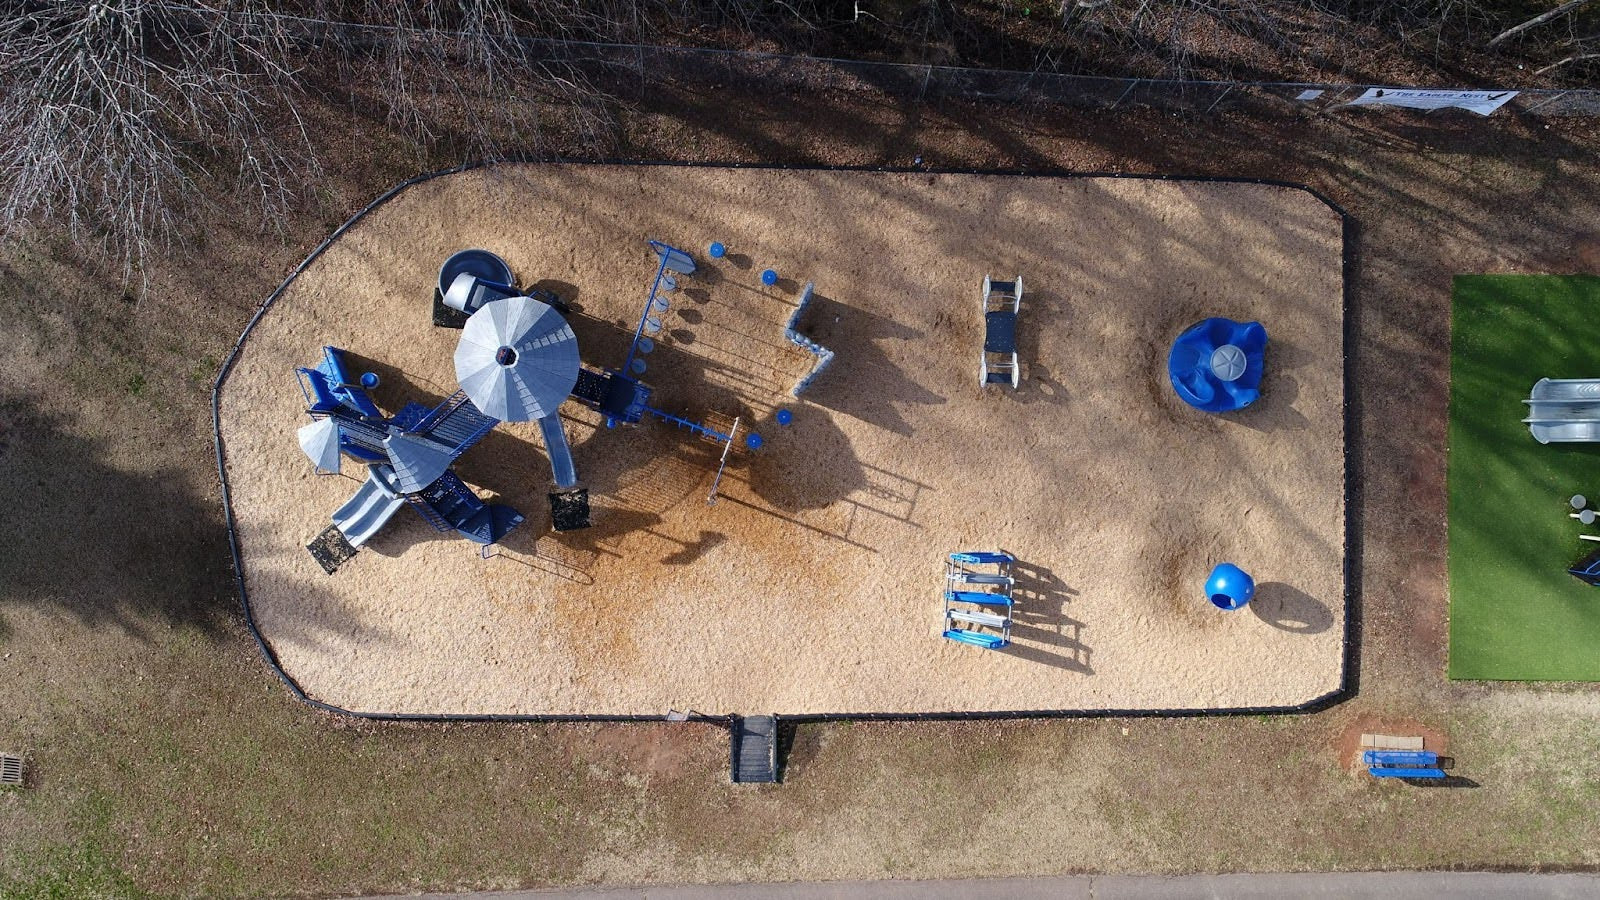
{"points": [[1536, 21], [107, 106], [1571, 59]]}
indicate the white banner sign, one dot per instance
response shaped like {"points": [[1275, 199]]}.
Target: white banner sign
{"points": [[1480, 102]]}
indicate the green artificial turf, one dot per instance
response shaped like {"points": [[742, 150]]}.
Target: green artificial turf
{"points": [[1515, 614]]}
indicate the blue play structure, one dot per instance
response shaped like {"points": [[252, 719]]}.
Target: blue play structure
{"points": [[1001, 302], [1402, 763], [1216, 364], [1587, 570], [328, 388], [621, 397], [471, 278], [1230, 587], [408, 456], [517, 361], [977, 598]]}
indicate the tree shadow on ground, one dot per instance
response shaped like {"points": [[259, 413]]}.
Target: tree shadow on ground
{"points": [[862, 382], [107, 546]]}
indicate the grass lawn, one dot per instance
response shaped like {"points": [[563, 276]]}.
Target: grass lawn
{"points": [[1514, 612]]}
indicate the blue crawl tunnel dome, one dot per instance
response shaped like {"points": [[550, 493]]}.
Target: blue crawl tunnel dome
{"points": [[1230, 587], [1216, 364]]}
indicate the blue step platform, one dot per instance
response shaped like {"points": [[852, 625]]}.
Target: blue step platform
{"points": [[977, 639], [977, 597]]}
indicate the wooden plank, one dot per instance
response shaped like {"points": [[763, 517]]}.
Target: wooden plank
{"points": [[1390, 742]]}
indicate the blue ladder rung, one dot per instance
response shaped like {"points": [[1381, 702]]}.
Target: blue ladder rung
{"points": [[986, 641], [977, 597], [978, 556], [980, 578]]}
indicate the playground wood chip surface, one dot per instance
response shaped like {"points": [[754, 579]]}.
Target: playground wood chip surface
{"points": [[813, 586]]}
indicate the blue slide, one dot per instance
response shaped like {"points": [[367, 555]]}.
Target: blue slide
{"points": [[372, 506], [555, 443]]}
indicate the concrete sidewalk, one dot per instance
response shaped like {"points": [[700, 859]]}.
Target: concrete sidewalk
{"points": [[1346, 886]]}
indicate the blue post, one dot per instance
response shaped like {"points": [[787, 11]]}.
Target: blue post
{"points": [[717, 251], [769, 277], [785, 417]]}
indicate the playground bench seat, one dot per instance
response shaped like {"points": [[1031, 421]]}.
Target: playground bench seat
{"points": [[1402, 763], [1405, 772], [1399, 758]]}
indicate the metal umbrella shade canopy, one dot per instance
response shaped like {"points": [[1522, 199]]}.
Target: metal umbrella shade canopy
{"points": [[320, 443], [517, 360]]}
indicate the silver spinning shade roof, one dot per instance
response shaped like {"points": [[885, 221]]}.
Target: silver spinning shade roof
{"points": [[517, 360]]}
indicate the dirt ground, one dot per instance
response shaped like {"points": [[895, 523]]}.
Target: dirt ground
{"points": [[1115, 497]]}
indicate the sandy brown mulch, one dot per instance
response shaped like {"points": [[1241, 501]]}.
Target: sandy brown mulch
{"points": [[813, 586]]}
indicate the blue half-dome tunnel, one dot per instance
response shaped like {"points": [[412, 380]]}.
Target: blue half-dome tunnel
{"points": [[1230, 587]]}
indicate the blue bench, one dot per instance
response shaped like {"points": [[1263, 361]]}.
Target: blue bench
{"points": [[1402, 763], [1404, 772], [1399, 758]]}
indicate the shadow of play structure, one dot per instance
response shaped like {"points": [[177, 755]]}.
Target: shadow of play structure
{"points": [[517, 361]]}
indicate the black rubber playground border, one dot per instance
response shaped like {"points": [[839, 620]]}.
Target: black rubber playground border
{"points": [[1349, 671]]}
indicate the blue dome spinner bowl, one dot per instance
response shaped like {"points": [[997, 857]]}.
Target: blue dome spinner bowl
{"points": [[1216, 364]]}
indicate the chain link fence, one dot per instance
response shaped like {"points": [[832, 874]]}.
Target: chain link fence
{"points": [[632, 70]]}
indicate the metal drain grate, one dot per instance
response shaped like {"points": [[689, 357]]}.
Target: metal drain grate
{"points": [[10, 769]]}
